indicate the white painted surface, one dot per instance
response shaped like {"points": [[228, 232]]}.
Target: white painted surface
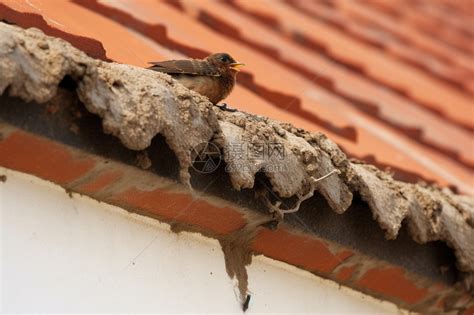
{"points": [[62, 254]]}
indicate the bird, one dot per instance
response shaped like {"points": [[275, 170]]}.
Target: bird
{"points": [[213, 76]]}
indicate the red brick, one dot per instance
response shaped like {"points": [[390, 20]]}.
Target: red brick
{"points": [[345, 273], [182, 208], [101, 181], [41, 157], [392, 281], [303, 251]]}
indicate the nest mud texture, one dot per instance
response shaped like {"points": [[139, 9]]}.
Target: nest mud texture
{"points": [[136, 104]]}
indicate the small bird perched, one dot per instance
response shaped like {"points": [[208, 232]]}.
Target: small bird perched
{"points": [[213, 77]]}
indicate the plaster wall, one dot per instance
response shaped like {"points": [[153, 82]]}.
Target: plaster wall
{"points": [[70, 253]]}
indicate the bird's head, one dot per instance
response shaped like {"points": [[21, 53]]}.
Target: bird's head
{"points": [[224, 61]]}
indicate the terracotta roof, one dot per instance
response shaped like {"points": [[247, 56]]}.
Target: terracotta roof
{"points": [[375, 97], [372, 77]]}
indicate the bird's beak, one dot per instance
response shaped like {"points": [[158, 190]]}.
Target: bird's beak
{"points": [[236, 65]]}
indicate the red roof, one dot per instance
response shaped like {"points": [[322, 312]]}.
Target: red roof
{"points": [[390, 83]]}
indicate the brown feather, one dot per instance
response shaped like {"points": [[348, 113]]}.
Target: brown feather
{"points": [[192, 67], [212, 77]]}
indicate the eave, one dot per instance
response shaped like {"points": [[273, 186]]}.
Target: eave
{"points": [[58, 138]]}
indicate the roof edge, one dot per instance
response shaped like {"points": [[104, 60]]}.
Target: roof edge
{"points": [[137, 104]]}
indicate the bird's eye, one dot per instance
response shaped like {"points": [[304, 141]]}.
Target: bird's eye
{"points": [[225, 58]]}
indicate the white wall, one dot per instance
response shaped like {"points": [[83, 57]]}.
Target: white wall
{"points": [[62, 254]]}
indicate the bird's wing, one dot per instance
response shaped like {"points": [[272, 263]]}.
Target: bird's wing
{"points": [[192, 67]]}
